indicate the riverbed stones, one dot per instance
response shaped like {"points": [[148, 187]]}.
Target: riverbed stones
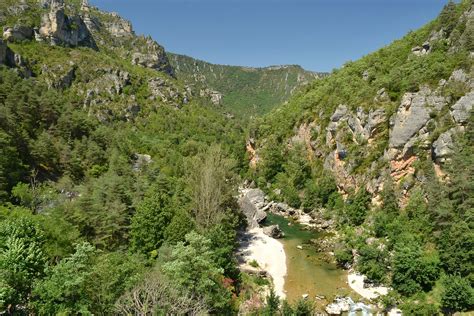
{"points": [[273, 231]]}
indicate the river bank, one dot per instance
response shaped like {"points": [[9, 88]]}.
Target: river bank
{"points": [[268, 253]]}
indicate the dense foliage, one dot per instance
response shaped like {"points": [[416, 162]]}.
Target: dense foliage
{"points": [[246, 91]]}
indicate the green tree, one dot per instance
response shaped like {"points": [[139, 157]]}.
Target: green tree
{"points": [[181, 224], [211, 181], [152, 217], [272, 304], [456, 248], [357, 206], [22, 261], [64, 289], [413, 270], [458, 294], [192, 267]]}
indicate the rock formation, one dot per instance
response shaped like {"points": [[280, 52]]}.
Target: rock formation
{"points": [[59, 29], [252, 203], [17, 33]]}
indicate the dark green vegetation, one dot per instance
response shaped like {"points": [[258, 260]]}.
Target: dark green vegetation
{"points": [[110, 186], [246, 91], [418, 238], [118, 182]]}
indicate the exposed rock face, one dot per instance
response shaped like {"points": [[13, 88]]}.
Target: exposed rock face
{"points": [[413, 114], [59, 77], [214, 96], [140, 161], [252, 204], [163, 90], [151, 55], [18, 33], [422, 50], [461, 111], [7, 57], [273, 231], [119, 27], [59, 29], [443, 147], [382, 96], [3, 52]]}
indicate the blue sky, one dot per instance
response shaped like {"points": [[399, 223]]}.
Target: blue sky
{"points": [[320, 35]]}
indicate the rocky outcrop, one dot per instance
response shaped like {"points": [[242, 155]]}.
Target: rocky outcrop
{"points": [[253, 205], [5, 53], [461, 111], [59, 29], [18, 33], [140, 161], [254, 158], [59, 76], [412, 115], [164, 90], [443, 147], [118, 26], [273, 231], [214, 96], [149, 54], [422, 50]]}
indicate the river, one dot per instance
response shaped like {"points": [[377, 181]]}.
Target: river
{"points": [[307, 271]]}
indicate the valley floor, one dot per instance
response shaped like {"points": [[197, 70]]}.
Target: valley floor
{"points": [[268, 253]]}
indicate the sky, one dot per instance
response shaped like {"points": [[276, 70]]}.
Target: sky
{"points": [[319, 35]]}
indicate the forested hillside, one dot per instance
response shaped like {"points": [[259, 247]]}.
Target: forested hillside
{"points": [[120, 166], [243, 91], [115, 181], [384, 147]]}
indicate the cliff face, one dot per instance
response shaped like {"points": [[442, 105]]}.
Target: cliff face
{"points": [[93, 54], [244, 91], [381, 116]]}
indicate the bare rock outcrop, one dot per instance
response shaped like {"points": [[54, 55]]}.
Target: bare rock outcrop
{"points": [[59, 29], [18, 33], [150, 54], [252, 203], [461, 111], [413, 114], [443, 147]]}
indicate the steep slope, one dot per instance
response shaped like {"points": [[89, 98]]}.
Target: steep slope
{"points": [[108, 162], [396, 128], [244, 91]]}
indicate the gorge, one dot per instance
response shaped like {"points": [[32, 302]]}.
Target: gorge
{"points": [[134, 181]]}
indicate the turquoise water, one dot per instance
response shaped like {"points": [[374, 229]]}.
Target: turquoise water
{"points": [[307, 271]]}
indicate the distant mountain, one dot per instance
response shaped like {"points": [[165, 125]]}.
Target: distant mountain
{"points": [[245, 91]]}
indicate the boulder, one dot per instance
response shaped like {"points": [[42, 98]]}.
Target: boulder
{"points": [[382, 96], [340, 112], [461, 111], [18, 33], [273, 231], [252, 203], [140, 161], [339, 305]]}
